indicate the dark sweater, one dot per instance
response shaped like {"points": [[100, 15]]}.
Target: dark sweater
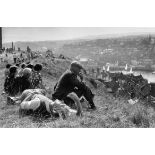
{"points": [[66, 84], [24, 84]]}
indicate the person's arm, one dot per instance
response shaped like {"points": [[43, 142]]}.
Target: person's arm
{"points": [[76, 82], [41, 82], [6, 85]]}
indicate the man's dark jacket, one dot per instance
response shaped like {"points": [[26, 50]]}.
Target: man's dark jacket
{"points": [[67, 84]]}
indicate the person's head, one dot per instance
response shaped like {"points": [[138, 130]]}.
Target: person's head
{"points": [[30, 66], [76, 67], [27, 73], [23, 66], [17, 65], [13, 70], [37, 67], [8, 66]]}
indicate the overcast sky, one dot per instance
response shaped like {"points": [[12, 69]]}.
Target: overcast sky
{"points": [[63, 33]]}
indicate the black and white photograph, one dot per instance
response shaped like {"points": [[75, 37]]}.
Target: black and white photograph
{"points": [[77, 77]]}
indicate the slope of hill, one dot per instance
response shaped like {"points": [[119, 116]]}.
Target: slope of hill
{"points": [[111, 112]]}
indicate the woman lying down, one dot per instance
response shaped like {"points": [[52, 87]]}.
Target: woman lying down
{"points": [[34, 101]]}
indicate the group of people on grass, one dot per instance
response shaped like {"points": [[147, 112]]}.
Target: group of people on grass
{"points": [[24, 86]]}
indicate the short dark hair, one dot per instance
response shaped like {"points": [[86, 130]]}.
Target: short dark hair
{"points": [[29, 66], [13, 69], [17, 65], [23, 65], [38, 67], [8, 66]]}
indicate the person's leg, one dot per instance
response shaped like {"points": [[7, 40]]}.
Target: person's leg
{"points": [[87, 93], [69, 102], [63, 109], [41, 111]]}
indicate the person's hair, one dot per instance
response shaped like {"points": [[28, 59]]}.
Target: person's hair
{"points": [[27, 72], [23, 65], [13, 70], [17, 65], [30, 66], [8, 66], [38, 67]]}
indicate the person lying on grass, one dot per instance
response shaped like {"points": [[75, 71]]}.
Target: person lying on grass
{"points": [[34, 101]]}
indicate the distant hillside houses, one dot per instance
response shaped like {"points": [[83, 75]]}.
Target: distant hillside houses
{"points": [[147, 61], [134, 62], [107, 51]]}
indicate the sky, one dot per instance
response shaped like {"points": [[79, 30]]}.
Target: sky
{"points": [[14, 34]]}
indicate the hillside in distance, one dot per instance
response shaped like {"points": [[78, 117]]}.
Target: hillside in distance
{"points": [[121, 49], [99, 48]]}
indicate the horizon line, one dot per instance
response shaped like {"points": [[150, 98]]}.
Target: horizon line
{"points": [[117, 35]]}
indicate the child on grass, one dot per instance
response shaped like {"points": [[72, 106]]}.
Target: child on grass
{"points": [[36, 79], [11, 83], [25, 80], [6, 73]]}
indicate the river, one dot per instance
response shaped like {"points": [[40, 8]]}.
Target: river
{"points": [[146, 75]]}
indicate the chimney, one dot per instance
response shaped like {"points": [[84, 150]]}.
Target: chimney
{"points": [[0, 38], [12, 46]]}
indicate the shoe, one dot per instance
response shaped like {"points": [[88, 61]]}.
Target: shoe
{"points": [[92, 108]]}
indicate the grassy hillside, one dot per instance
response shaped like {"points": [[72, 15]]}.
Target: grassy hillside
{"points": [[111, 112]]}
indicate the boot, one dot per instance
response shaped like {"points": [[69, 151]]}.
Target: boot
{"points": [[92, 105]]}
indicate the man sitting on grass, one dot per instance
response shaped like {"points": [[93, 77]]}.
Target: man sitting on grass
{"points": [[69, 83]]}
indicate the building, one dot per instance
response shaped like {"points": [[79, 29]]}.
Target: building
{"points": [[134, 62], [148, 61]]}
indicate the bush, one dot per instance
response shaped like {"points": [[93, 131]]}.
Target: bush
{"points": [[140, 118]]}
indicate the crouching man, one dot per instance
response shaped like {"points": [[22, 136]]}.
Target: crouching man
{"points": [[34, 101], [69, 82]]}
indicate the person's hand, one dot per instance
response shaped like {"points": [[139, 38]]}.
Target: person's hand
{"points": [[81, 76]]}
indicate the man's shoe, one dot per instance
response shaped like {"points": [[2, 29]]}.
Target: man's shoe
{"points": [[92, 108]]}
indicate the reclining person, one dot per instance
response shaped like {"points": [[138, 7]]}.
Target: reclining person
{"points": [[69, 83], [34, 101]]}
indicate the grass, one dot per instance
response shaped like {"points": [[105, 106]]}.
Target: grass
{"points": [[111, 112]]}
